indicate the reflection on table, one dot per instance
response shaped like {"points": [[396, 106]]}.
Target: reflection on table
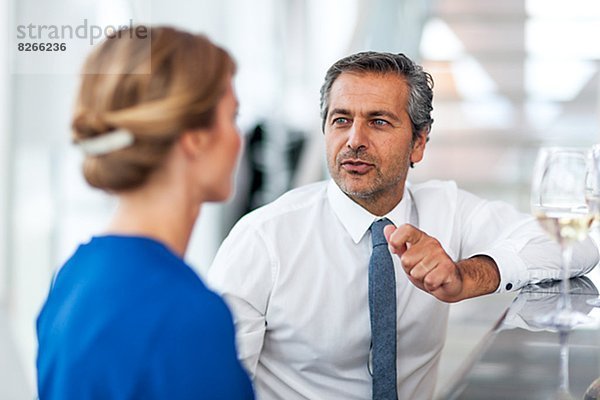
{"points": [[521, 360]]}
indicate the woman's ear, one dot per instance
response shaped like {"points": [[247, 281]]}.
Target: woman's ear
{"points": [[194, 142]]}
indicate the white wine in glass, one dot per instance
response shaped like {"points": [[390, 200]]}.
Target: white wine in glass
{"points": [[566, 225], [558, 201]]}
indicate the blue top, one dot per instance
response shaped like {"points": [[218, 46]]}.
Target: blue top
{"points": [[127, 318]]}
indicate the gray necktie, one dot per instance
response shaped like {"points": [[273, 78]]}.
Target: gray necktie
{"points": [[382, 307]]}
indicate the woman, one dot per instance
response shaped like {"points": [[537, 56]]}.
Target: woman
{"points": [[126, 317]]}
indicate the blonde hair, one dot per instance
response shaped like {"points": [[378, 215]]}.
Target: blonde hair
{"points": [[154, 87]]}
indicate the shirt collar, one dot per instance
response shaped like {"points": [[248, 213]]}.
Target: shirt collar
{"points": [[357, 220]]}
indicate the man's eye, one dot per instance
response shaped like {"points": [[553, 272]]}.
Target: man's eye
{"points": [[380, 122], [339, 121]]}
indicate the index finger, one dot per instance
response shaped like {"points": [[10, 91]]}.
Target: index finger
{"points": [[399, 238]]}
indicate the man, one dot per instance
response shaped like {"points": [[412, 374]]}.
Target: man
{"points": [[303, 275]]}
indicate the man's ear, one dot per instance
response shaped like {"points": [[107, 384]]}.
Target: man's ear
{"points": [[194, 142], [418, 149]]}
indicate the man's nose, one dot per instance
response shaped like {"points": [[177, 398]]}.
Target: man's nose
{"points": [[357, 136]]}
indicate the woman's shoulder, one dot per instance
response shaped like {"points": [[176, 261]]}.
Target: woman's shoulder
{"points": [[202, 309]]}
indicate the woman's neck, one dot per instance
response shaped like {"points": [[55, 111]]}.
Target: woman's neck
{"points": [[163, 215]]}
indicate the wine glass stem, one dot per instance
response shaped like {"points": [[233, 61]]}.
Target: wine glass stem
{"points": [[564, 361], [565, 299]]}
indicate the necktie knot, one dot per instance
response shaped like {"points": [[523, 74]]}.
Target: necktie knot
{"points": [[377, 236]]}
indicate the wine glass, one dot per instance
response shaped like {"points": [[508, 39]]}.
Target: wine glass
{"points": [[558, 201]]}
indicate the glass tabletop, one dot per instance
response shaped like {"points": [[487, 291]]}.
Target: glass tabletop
{"points": [[520, 360]]}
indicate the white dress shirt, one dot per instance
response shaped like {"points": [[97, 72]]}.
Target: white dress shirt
{"points": [[295, 274]]}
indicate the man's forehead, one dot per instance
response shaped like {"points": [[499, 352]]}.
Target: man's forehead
{"points": [[368, 90]]}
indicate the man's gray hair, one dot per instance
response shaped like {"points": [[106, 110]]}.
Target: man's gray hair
{"points": [[420, 84]]}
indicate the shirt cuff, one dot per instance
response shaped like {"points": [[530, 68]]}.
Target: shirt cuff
{"points": [[512, 269]]}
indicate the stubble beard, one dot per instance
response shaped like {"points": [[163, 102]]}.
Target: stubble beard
{"points": [[372, 189]]}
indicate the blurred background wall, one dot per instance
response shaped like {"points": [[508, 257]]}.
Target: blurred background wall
{"points": [[509, 76]]}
